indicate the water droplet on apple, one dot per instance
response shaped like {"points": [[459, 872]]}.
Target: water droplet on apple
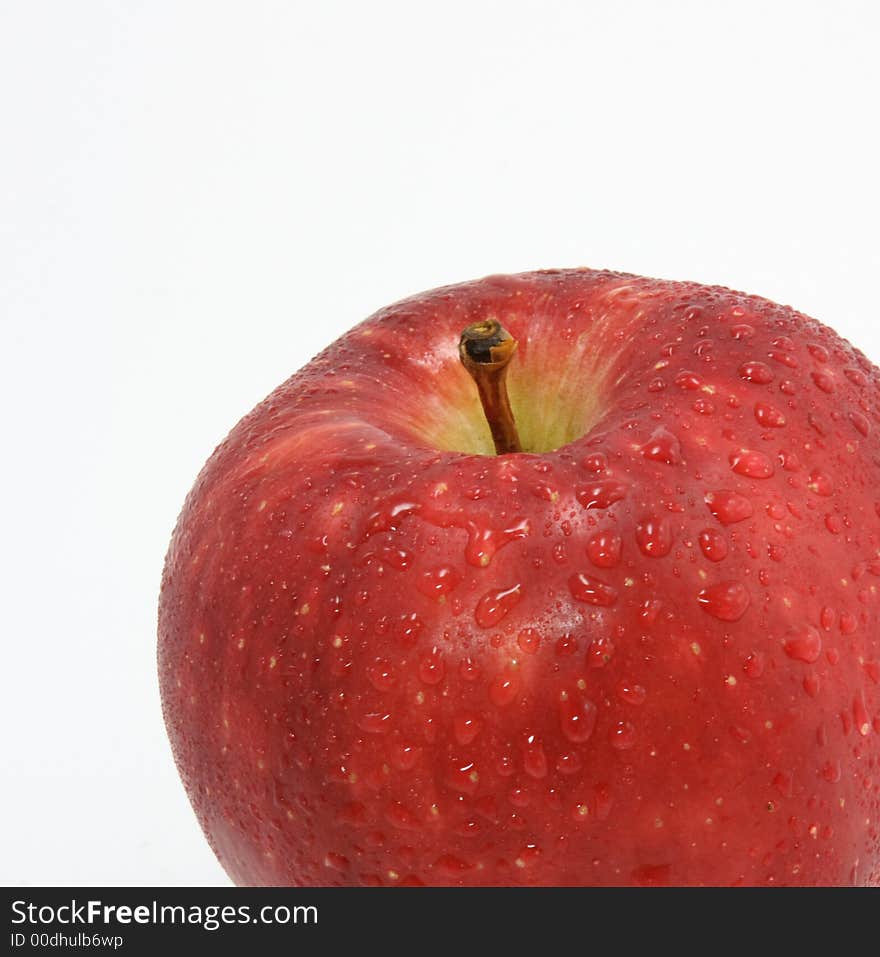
{"points": [[823, 380], [599, 652], [529, 639], [519, 797], [729, 507], [856, 376], [713, 544], [861, 718], [757, 372], [335, 861], [783, 342], [577, 718], [804, 644], [789, 461], [604, 549], [496, 604], [466, 728], [437, 583], [768, 416], [591, 590], [483, 542], [504, 688], [663, 447], [820, 484], [463, 776], [689, 381], [397, 558], [381, 675], [432, 669], [860, 423], [601, 494], [569, 762], [534, 758], [527, 857], [622, 736], [726, 601], [547, 493], [469, 670], [782, 357], [375, 722], [751, 464], [389, 517], [408, 629], [753, 666], [650, 611], [654, 536], [595, 462], [631, 693], [404, 756]]}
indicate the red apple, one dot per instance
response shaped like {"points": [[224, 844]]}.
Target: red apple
{"points": [[645, 650]]}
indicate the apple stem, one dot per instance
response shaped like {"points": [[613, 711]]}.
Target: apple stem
{"points": [[485, 349]]}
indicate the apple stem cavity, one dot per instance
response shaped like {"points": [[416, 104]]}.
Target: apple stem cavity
{"points": [[485, 349]]}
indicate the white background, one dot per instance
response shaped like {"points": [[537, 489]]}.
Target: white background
{"points": [[197, 197]]}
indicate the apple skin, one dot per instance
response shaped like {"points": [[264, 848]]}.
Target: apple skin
{"points": [[648, 656]]}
